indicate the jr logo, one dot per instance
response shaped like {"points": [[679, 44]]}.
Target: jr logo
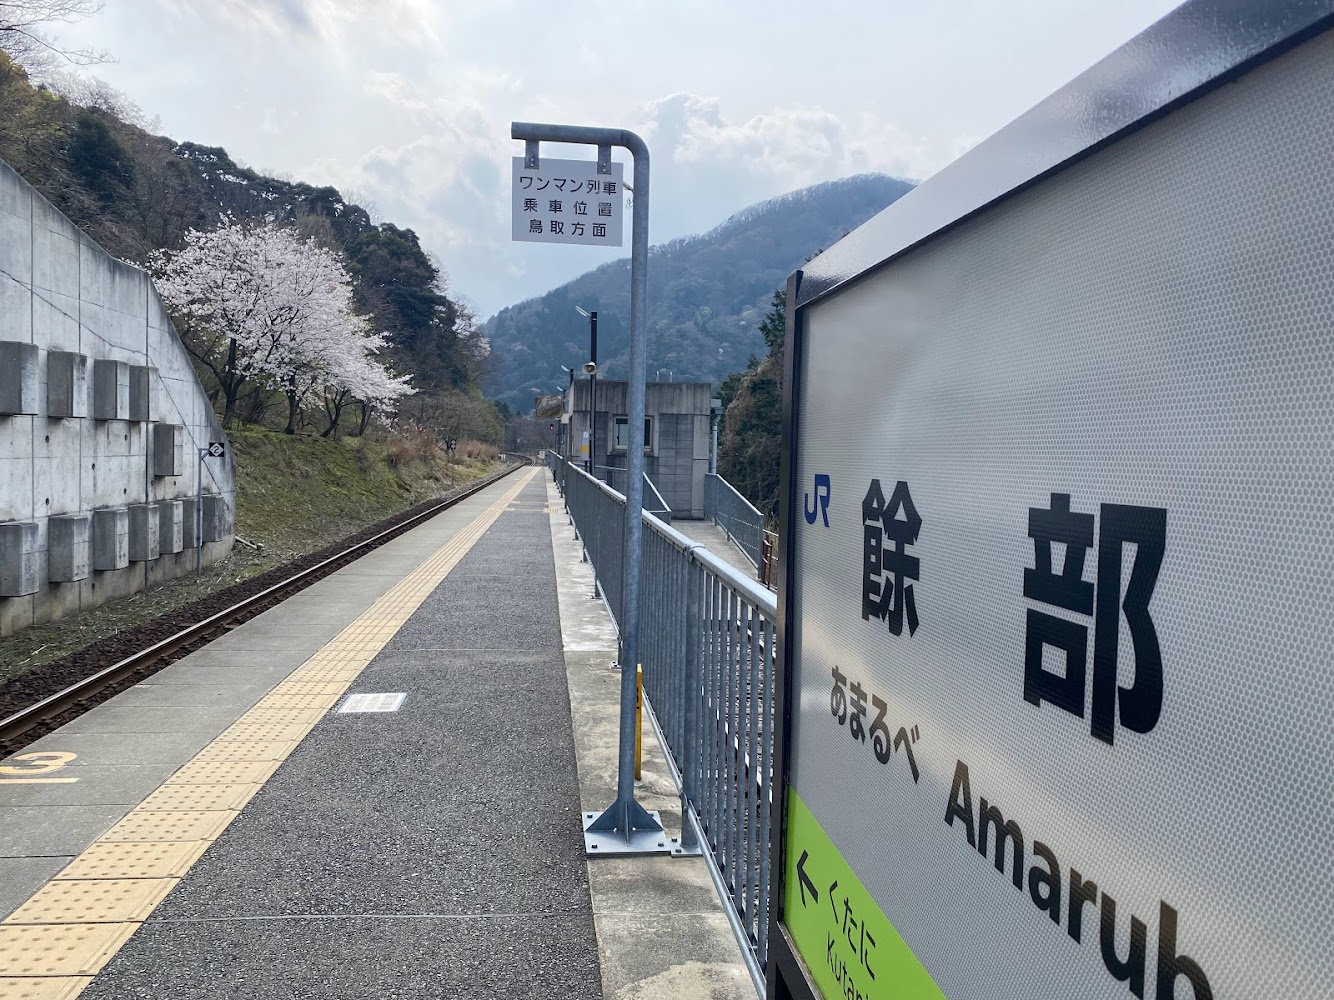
{"points": [[818, 504]]}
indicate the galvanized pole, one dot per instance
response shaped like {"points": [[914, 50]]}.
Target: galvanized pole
{"points": [[593, 395], [199, 515], [625, 826]]}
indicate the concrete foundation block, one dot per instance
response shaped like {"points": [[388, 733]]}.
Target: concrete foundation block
{"points": [[111, 390], [141, 392], [18, 559], [143, 532], [171, 526], [168, 449], [66, 384], [216, 527], [18, 378], [189, 526], [111, 538], [69, 548]]}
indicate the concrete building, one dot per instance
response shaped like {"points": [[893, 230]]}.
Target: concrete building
{"points": [[676, 433], [101, 419]]}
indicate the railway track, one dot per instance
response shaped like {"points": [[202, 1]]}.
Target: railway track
{"points": [[70, 701]]}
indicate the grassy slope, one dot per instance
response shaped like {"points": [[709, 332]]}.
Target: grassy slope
{"points": [[294, 495]]}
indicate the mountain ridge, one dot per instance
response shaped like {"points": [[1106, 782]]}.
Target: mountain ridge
{"points": [[707, 293]]}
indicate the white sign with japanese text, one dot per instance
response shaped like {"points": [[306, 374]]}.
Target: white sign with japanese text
{"points": [[568, 201], [1060, 597]]}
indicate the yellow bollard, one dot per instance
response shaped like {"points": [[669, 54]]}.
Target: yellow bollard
{"points": [[639, 721]]}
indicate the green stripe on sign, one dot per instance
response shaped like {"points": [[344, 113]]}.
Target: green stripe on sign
{"points": [[850, 947]]}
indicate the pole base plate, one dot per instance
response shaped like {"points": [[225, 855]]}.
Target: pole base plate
{"points": [[612, 843]]}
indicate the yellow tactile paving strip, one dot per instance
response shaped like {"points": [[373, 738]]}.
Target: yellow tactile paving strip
{"points": [[52, 946]]}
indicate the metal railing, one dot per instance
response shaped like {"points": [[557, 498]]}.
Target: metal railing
{"points": [[707, 644], [735, 514], [616, 477]]}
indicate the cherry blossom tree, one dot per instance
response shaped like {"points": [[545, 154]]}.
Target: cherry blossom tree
{"points": [[257, 304]]}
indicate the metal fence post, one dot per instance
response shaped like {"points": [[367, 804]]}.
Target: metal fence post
{"points": [[690, 745]]}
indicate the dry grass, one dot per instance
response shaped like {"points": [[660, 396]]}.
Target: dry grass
{"points": [[476, 451], [409, 444]]}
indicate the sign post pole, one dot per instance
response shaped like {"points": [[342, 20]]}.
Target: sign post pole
{"points": [[199, 514], [593, 395], [624, 827], [215, 449]]}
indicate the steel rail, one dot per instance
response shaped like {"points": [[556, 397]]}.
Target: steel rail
{"points": [[54, 705]]}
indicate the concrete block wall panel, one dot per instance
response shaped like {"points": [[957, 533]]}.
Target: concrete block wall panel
{"points": [[111, 538], [168, 450], [66, 384], [190, 520], [142, 378], [144, 532], [55, 249], [19, 574], [111, 389], [16, 468], [61, 293], [701, 447], [20, 382], [15, 261], [56, 477], [215, 517], [69, 548], [171, 526]]}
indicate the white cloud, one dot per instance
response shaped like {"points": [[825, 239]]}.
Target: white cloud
{"points": [[336, 21], [410, 100]]}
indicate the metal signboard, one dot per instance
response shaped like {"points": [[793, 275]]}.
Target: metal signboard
{"points": [[548, 406], [216, 449], [568, 201], [1057, 624]]}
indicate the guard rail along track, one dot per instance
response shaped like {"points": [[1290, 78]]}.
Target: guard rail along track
{"points": [[82, 695]]}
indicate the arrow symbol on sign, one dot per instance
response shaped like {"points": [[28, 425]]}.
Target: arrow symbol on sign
{"points": [[806, 882]]}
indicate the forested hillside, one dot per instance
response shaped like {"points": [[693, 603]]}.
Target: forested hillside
{"points": [[707, 294], [84, 147]]}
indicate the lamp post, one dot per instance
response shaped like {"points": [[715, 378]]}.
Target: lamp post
{"points": [[592, 368]]}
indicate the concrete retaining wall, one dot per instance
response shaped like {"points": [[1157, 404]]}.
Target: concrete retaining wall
{"points": [[101, 419]]}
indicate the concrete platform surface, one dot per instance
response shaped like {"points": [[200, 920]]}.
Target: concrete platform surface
{"points": [[719, 544], [224, 831]]}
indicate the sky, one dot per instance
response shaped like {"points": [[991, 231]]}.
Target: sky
{"points": [[406, 104]]}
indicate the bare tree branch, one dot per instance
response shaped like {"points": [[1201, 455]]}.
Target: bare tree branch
{"points": [[25, 36]]}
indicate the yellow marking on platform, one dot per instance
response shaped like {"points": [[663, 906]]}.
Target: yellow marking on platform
{"points": [[267, 713], [327, 690], [37, 781], [142, 826], [257, 750], [302, 701], [59, 949], [194, 798], [93, 901], [63, 988], [37, 762], [231, 772], [265, 732], [58, 938], [150, 861]]}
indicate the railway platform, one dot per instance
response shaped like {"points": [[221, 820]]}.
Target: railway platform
{"points": [[373, 789]]}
